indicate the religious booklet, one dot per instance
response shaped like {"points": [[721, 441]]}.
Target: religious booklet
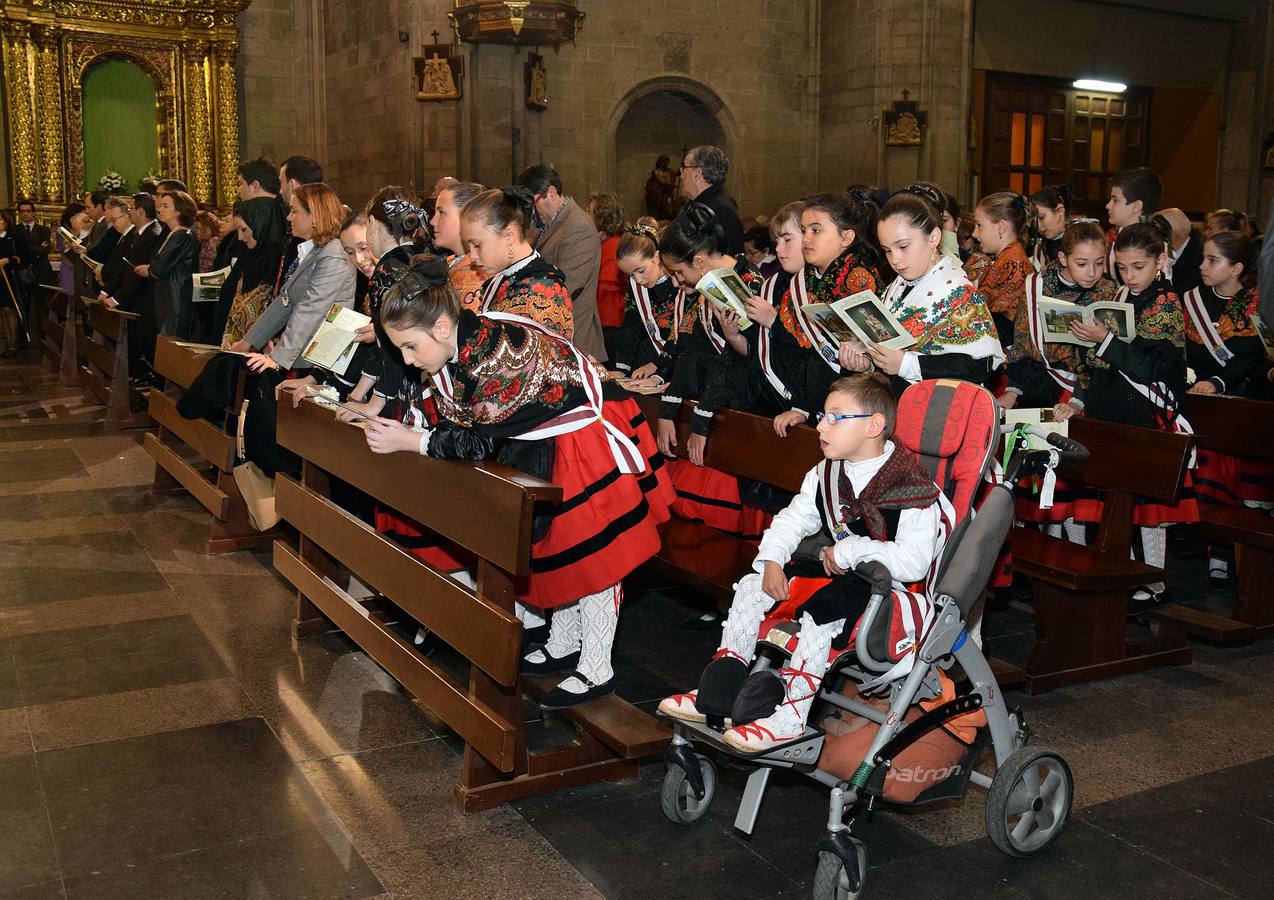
{"points": [[725, 289], [1038, 418], [208, 285], [69, 236], [860, 318], [208, 348], [332, 346], [1119, 318]]}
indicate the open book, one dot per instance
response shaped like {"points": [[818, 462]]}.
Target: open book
{"points": [[332, 346], [208, 285], [71, 238], [1057, 315], [208, 348], [860, 317], [724, 288]]}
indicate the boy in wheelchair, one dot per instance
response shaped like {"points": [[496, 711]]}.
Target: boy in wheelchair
{"points": [[873, 502]]}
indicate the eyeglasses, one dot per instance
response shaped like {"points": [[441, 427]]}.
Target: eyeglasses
{"points": [[837, 418]]}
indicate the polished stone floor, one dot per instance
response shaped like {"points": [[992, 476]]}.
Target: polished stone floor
{"points": [[162, 736]]}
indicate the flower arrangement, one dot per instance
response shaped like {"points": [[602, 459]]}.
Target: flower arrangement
{"points": [[112, 182], [154, 176]]}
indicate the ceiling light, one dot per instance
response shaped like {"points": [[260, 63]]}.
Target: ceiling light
{"points": [[1093, 84]]}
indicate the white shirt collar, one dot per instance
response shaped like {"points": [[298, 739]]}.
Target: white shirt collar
{"points": [[303, 250], [520, 264]]}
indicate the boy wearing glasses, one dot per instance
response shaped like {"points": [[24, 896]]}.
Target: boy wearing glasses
{"points": [[875, 503]]}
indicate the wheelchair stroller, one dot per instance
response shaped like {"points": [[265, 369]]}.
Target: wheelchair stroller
{"points": [[953, 429]]}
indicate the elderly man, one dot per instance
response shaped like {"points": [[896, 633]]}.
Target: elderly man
{"points": [[566, 236], [703, 174]]}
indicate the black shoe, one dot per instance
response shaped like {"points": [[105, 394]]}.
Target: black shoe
{"points": [[550, 665], [560, 699], [1143, 600], [534, 638]]}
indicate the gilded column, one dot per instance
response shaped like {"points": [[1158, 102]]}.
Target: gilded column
{"points": [[198, 133], [227, 119], [22, 137], [49, 117]]}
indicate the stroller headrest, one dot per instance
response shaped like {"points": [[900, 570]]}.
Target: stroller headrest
{"points": [[953, 428]]}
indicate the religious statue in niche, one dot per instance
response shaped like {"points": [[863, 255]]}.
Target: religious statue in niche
{"points": [[537, 82], [439, 73], [905, 123]]}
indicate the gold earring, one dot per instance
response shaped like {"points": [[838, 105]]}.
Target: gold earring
{"points": [[510, 251]]}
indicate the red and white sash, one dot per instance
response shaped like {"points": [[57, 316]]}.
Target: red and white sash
{"points": [[627, 457], [829, 473], [1035, 324], [1207, 329], [649, 321], [706, 319]]}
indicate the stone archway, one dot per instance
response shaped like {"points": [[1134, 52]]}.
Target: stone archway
{"points": [[662, 116]]}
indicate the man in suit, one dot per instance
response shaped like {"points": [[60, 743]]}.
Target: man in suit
{"points": [[121, 285], [293, 172], [95, 209], [1186, 253], [703, 172], [566, 236]]}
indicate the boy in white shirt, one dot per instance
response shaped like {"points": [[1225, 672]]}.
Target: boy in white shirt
{"points": [[877, 504]]}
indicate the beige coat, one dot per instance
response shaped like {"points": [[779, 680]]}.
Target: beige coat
{"points": [[572, 244]]}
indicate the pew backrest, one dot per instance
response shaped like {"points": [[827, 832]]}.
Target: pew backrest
{"points": [[1234, 425]]}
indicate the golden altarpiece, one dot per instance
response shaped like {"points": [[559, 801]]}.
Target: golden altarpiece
{"points": [[186, 47]]}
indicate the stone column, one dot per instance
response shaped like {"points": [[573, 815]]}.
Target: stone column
{"points": [[199, 157], [22, 136], [227, 118], [48, 102]]}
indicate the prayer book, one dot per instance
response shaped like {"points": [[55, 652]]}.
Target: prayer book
{"points": [[332, 346], [208, 285], [724, 289], [860, 318], [1057, 315]]}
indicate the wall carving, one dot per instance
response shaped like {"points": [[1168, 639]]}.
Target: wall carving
{"points": [[188, 49]]}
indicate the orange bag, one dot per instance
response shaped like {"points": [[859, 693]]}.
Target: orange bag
{"points": [[930, 760]]}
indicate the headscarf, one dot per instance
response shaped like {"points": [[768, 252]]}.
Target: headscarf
{"points": [[260, 264]]}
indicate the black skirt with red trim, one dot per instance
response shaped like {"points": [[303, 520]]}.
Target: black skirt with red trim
{"points": [[607, 522]]}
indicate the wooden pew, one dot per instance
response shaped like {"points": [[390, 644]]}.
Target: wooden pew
{"points": [[502, 762], [61, 334], [1243, 428], [104, 366], [1080, 593], [196, 454]]}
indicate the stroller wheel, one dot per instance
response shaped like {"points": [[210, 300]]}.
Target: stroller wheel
{"points": [[677, 797], [1029, 801], [832, 882]]}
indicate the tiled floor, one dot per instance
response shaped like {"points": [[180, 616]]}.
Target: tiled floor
{"points": [[162, 736]]}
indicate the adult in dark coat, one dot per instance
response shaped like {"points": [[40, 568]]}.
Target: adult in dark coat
{"points": [[703, 173]]}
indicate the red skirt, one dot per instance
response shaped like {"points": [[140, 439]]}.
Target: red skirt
{"points": [[1256, 480], [1217, 478], [1028, 502], [711, 496], [607, 523], [426, 545]]}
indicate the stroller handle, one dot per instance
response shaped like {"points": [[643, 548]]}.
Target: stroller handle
{"points": [[1070, 451]]}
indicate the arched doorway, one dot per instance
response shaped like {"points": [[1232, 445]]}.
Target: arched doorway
{"points": [[121, 121], [664, 117]]}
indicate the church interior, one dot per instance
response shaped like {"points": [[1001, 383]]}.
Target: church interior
{"points": [[578, 448]]}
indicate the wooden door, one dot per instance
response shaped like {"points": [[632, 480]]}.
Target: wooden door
{"points": [[1041, 131]]}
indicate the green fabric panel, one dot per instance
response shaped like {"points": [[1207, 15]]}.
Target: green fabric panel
{"points": [[121, 123]]}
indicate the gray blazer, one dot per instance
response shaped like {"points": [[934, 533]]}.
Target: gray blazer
{"points": [[572, 245], [324, 277]]}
